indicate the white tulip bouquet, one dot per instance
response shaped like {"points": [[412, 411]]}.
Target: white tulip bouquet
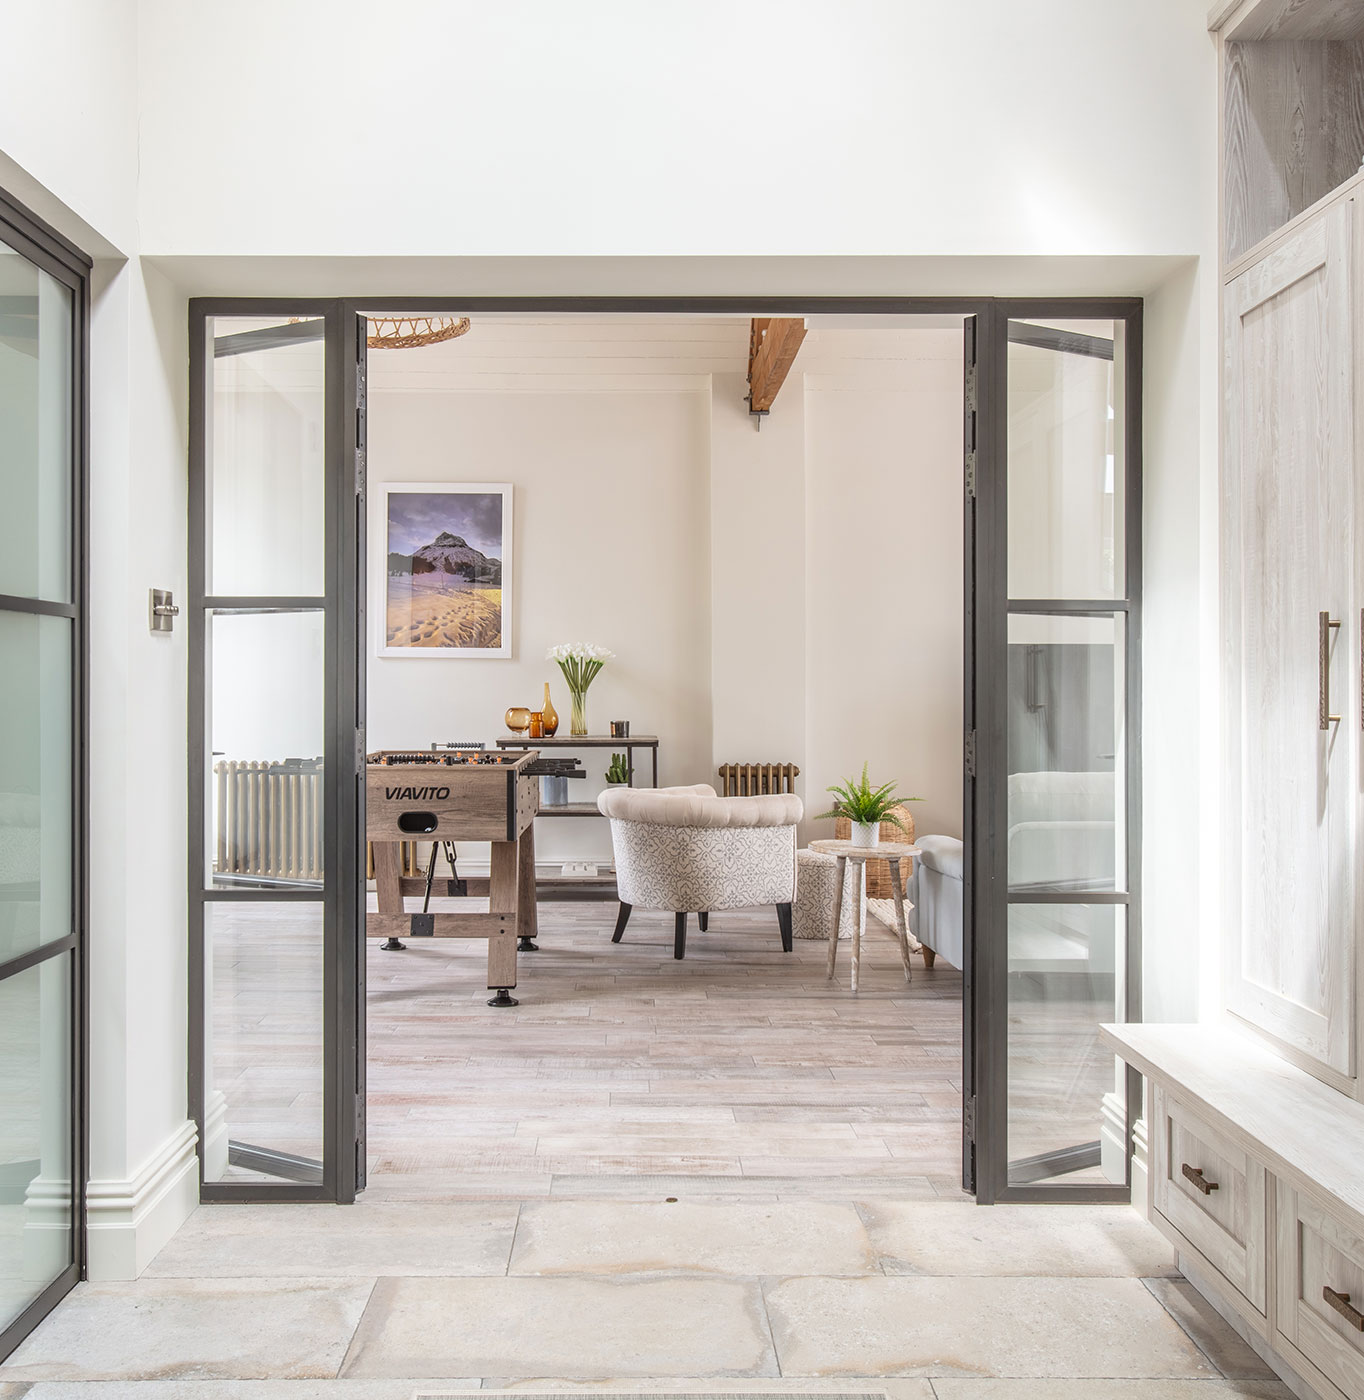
{"points": [[580, 663]]}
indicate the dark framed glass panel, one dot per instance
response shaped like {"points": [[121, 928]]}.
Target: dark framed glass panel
{"points": [[43, 321]]}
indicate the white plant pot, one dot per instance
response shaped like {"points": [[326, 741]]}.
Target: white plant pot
{"points": [[866, 834]]}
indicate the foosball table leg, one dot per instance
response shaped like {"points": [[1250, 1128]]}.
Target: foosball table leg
{"points": [[392, 945], [527, 924], [503, 998]]}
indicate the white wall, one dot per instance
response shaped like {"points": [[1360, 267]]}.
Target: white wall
{"points": [[68, 117], [884, 590], [611, 546], [772, 127]]}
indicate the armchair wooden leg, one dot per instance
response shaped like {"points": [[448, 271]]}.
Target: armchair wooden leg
{"points": [[784, 921], [930, 957], [703, 921], [680, 936], [622, 918]]}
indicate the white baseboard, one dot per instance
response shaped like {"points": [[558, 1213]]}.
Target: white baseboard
{"points": [[1141, 1169], [130, 1220], [1113, 1145]]}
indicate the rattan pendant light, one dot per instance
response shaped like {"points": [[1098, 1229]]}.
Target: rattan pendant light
{"points": [[406, 332]]}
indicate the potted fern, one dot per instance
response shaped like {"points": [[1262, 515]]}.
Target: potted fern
{"points": [[866, 807]]}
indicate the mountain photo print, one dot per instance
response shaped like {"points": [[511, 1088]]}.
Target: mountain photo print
{"points": [[446, 554]]}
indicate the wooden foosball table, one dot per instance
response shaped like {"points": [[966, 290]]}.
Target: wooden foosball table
{"points": [[465, 796]]}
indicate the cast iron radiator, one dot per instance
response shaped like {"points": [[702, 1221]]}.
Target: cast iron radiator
{"points": [[269, 824], [755, 779]]}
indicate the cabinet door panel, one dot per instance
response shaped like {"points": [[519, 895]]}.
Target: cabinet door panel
{"points": [[1288, 557]]}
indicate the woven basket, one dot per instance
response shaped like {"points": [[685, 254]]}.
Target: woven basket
{"points": [[878, 871]]}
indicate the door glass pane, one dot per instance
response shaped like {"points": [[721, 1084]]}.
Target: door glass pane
{"points": [[35, 781], [1066, 966], [262, 1041], [1066, 752], [265, 723], [265, 458], [35, 431], [1065, 460], [35, 1132]]}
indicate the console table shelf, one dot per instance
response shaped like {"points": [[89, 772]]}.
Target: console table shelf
{"points": [[603, 886]]}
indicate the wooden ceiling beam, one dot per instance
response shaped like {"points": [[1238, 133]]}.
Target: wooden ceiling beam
{"points": [[772, 345]]}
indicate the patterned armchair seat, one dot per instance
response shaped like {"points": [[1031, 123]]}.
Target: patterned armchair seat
{"points": [[686, 850]]}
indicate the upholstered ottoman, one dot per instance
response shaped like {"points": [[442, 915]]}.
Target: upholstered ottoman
{"points": [[813, 912]]}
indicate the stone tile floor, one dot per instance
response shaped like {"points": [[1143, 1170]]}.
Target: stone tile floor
{"points": [[389, 1298], [516, 1233]]}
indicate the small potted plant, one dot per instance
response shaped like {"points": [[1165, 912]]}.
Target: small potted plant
{"points": [[617, 774], [866, 807]]}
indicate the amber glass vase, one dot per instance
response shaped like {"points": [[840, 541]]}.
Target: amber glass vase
{"points": [[550, 715]]}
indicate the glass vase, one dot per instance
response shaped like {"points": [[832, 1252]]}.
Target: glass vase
{"points": [[578, 716]]}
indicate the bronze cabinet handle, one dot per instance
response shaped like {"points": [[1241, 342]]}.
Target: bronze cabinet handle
{"points": [[1341, 1303], [1325, 719], [1195, 1174]]}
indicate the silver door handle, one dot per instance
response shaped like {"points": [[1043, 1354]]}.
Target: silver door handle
{"points": [[1325, 719]]}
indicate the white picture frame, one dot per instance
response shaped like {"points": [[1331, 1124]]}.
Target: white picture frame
{"points": [[418, 612]]}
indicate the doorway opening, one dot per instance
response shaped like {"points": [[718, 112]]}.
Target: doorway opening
{"points": [[397, 538]]}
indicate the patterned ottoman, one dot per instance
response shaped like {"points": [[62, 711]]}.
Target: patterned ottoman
{"points": [[813, 912]]}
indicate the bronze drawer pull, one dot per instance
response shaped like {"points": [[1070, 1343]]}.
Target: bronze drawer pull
{"points": [[1341, 1303], [1195, 1174]]}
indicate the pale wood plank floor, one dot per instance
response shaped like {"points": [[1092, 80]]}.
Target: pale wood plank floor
{"points": [[740, 1071]]}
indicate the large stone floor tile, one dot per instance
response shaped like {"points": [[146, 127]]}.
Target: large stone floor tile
{"points": [[960, 1388], [1056, 1241], [167, 1329], [359, 1241], [1212, 1333], [240, 1390], [563, 1327], [609, 1237], [892, 1388], [1021, 1327]]}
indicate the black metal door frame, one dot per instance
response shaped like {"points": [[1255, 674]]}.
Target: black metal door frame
{"points": [[986, 621], [43, 246], [342, 897], [986, 817]]}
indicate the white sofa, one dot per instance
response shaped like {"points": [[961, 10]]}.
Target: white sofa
{"points": [[687, 850], [1061, 836]]}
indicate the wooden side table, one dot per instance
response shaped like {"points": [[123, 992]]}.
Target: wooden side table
{"points": [[892, 852]]}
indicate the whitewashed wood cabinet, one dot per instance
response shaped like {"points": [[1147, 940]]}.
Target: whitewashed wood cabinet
{"points": [[1255, 1121], [1292, 635]]}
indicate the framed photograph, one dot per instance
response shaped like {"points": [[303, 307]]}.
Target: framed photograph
{"points": [[443, 570]]}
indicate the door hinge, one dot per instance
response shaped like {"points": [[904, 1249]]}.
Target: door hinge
{"points": [[360, 751], [970, 754], [968, 1117], [971, 474]]}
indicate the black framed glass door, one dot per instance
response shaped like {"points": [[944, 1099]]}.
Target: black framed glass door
{"points": [[44, 312], [274, 750], [1054, 558]]}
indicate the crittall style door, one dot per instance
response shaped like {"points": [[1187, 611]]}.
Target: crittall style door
{"points": [[43, 320], [1052, 748], [276, 748]]}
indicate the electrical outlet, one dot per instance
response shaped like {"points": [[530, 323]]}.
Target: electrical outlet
{"points": [[579, 868]]}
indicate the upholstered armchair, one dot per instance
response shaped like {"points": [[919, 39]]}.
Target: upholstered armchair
{"points": [[687, 850]]}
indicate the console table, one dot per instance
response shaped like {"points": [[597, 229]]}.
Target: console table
{"points": [[603, 887]]}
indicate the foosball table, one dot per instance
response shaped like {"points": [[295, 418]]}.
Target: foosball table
{"points": [[460, 795]]}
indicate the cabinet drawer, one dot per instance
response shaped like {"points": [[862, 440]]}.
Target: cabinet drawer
{"points": [[1320, 1255], [1213, 1193]]}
